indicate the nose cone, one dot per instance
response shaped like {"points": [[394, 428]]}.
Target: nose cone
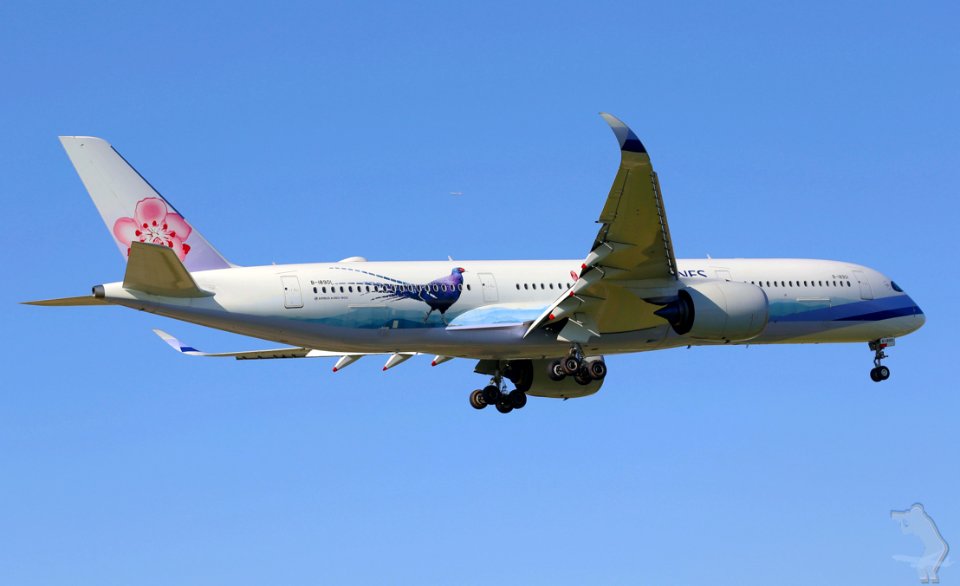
{"points": [[918, 317]]}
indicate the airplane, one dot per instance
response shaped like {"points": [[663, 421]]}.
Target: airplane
{"points": [[542, 325]]}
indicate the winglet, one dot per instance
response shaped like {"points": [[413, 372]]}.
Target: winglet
{"points": [[626, 137], [175, 343]]}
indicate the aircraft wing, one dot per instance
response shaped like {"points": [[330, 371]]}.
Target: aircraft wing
{"points": [[632, 246], [345, 358]]}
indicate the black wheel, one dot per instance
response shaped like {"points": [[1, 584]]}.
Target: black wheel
{"points": [[491, 395], [583, 376], [598, 369], [875, 375], [517, 399], [504, 407], [571, 365], [555, 371], [476, 399], [883, 373]]}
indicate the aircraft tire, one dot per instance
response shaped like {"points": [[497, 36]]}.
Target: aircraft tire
{"points": [[883, 373], [476, 399], [491, 395], [555, 371], [571, 365], [504, 407], [583, 376], [598, 369], [874, 375], [517, 399]]}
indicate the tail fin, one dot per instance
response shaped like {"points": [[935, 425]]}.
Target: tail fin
{"points": [[132, 209]]}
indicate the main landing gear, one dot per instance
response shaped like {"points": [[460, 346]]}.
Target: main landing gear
{"points": [[880, 372], [576, 365], [496, 394]]}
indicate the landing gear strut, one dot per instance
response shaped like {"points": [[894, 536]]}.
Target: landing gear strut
{"points": [[880, 372], [495, 394]]}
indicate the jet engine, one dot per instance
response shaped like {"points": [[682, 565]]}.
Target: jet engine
{"points": [[718, 310]]}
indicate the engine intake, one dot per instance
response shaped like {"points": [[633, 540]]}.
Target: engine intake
{"points": [[718, 310]]}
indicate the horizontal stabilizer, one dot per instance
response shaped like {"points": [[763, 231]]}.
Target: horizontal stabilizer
{"points": [[68, 301], [156, 270]]}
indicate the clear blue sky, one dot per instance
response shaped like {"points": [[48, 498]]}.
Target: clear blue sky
{"points": [[315, 131]]}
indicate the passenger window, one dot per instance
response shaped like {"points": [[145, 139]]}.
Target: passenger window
{"points": [[468, 287], [551, 286], [526, 286], [518, 286], [542, 286], [314, 290]]}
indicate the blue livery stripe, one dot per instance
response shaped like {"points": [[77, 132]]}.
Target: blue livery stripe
{"points": [[861, 310], [882, 315]]}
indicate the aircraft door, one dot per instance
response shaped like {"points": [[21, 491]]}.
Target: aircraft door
{"points": [[291, 292], [866, 291], [489, 286]]}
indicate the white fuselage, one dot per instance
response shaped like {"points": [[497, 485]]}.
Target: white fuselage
{"points": [[484, 312]]}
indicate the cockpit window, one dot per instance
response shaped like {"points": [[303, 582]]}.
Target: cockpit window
{"points": [[896, 287]]}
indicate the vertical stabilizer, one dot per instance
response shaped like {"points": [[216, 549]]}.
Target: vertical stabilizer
{"points": [[132, 209]]}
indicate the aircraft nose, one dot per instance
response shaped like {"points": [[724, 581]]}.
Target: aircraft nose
{"points": [[918, 316]]}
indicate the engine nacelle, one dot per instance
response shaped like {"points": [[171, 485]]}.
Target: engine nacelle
{"points": [[718, 310], [531, 376]]}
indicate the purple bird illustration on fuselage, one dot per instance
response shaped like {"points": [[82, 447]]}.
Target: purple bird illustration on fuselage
{"points": [[440, 294]]}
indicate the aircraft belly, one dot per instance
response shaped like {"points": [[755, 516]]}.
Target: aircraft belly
{"points": [[816, 332], [494, 342]]}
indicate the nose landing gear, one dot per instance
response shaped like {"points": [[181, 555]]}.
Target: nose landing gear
{"points": [[879, 372]]}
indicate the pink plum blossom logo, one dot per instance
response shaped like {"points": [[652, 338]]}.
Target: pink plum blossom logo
{"points": [[153, 224]]}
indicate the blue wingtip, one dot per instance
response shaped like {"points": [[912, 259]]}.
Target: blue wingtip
{"points": [[626, 137]]}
